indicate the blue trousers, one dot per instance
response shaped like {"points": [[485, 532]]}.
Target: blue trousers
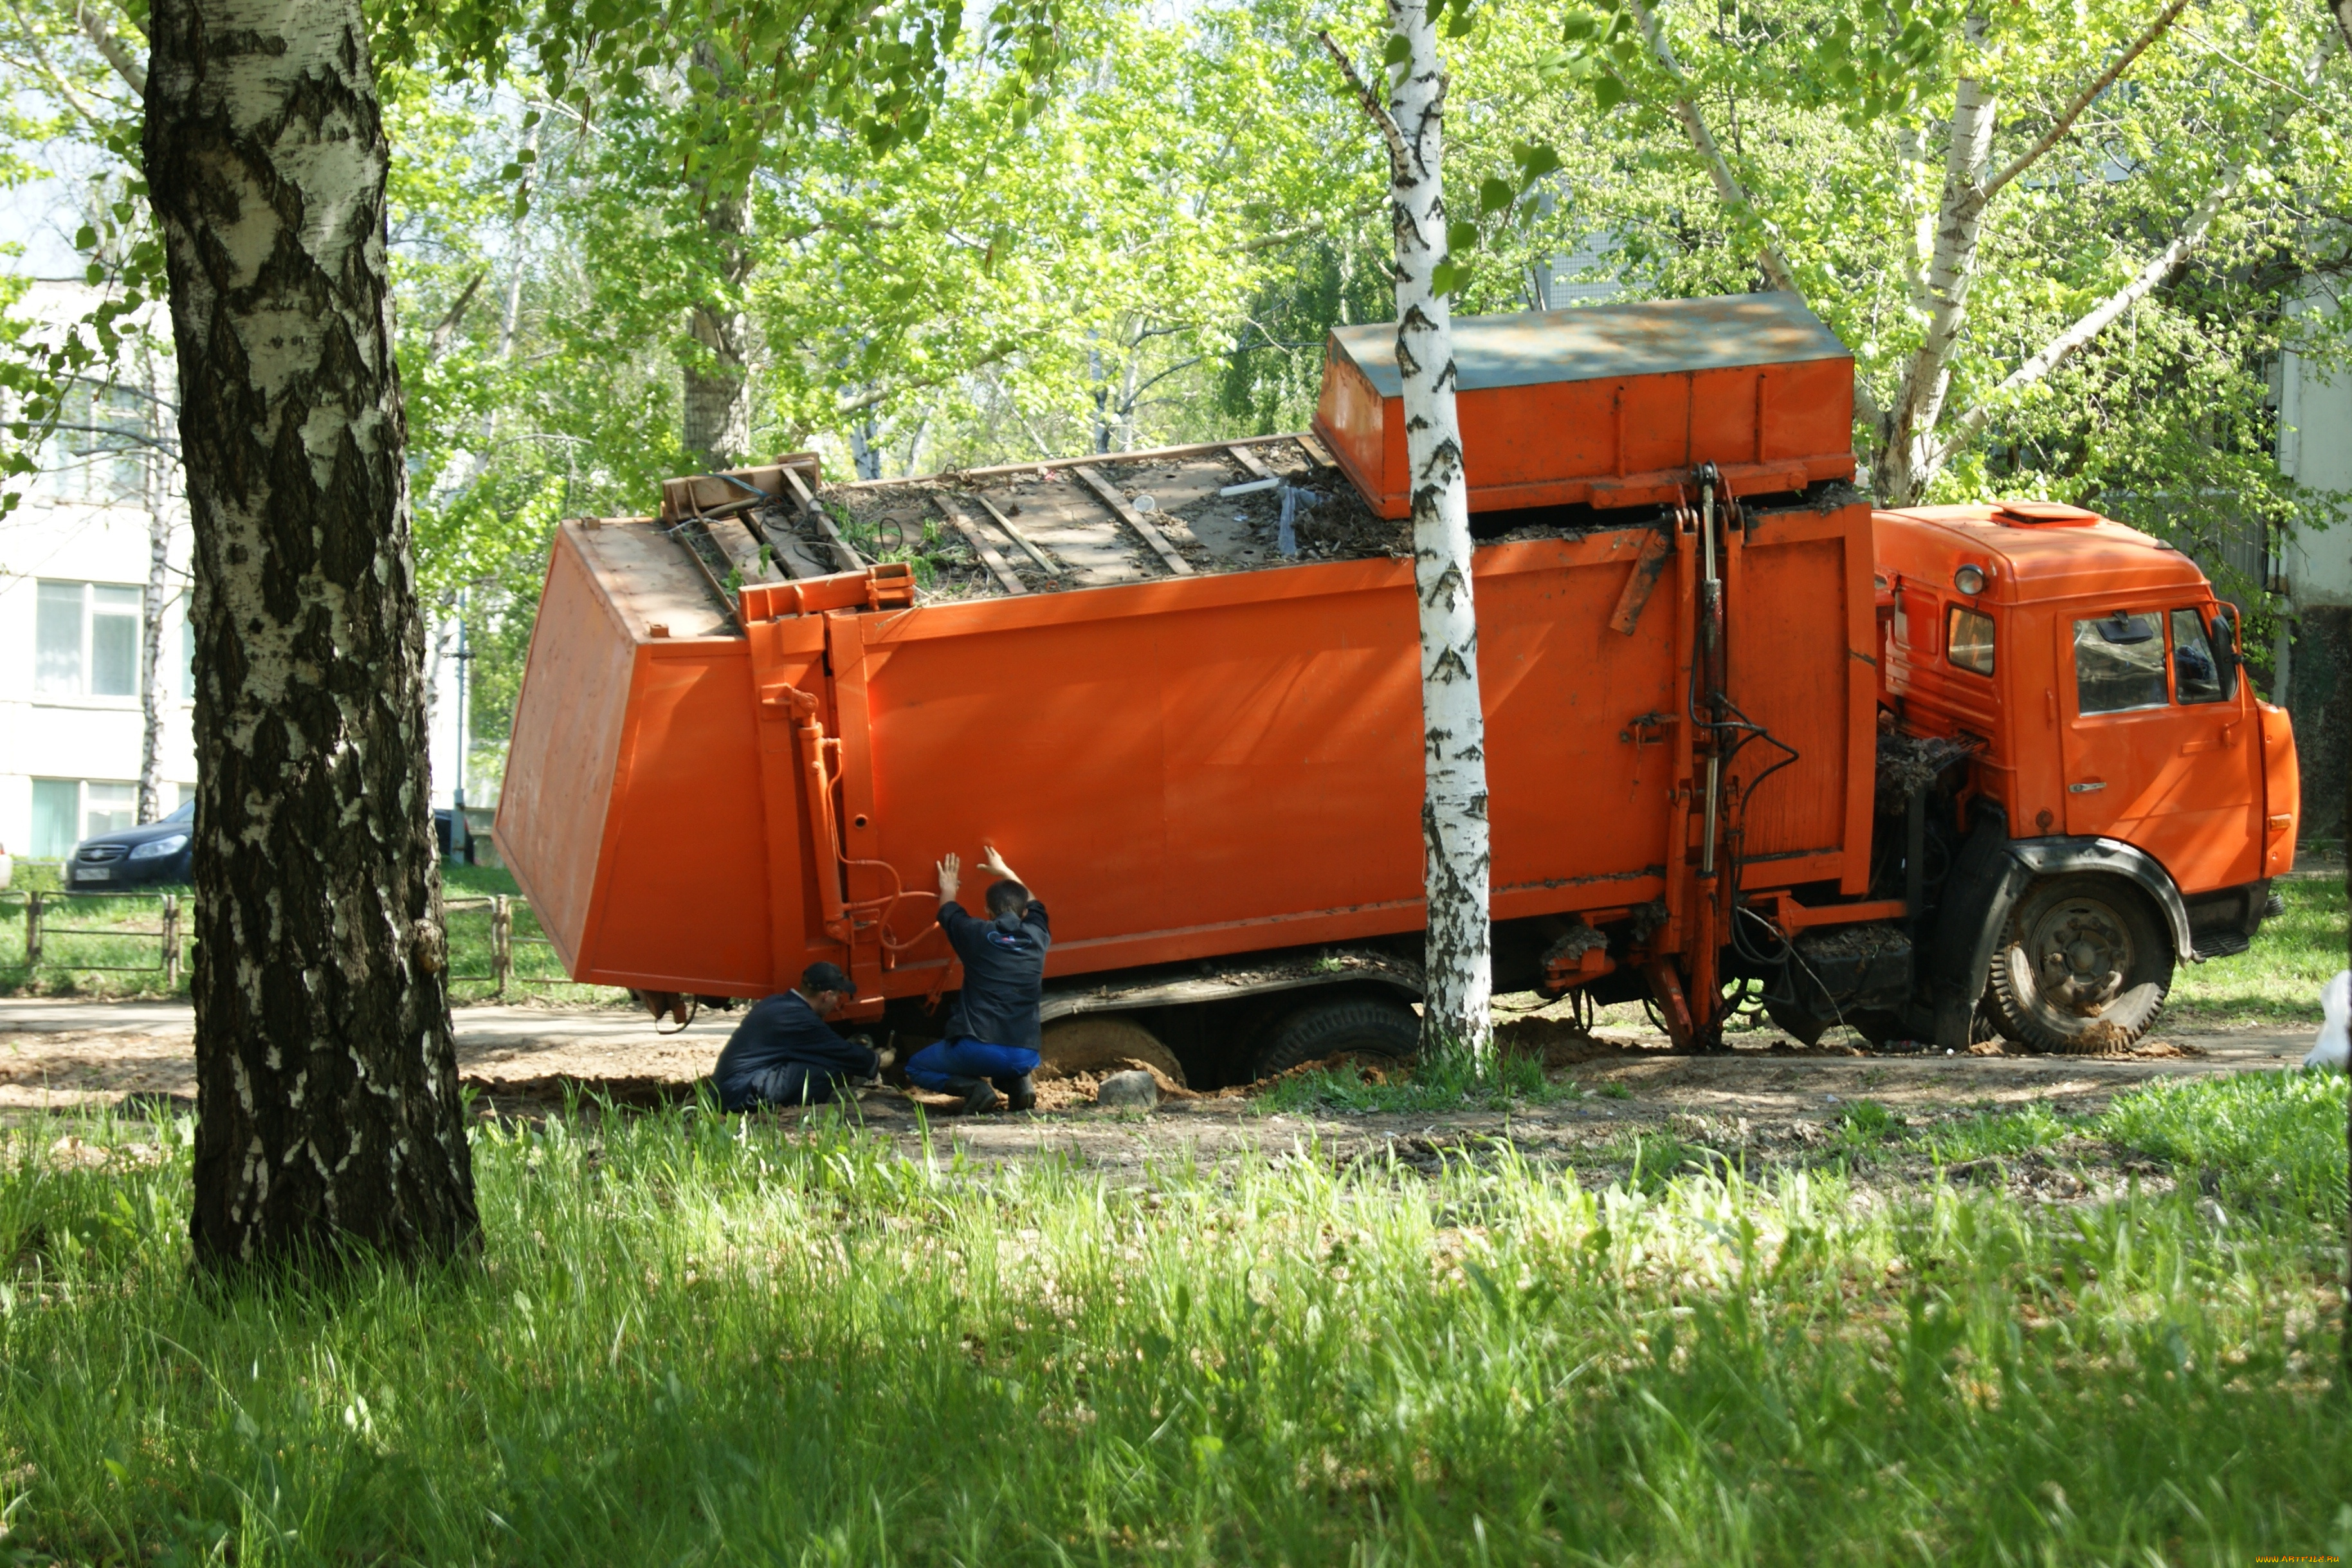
{"points": [[931, 1066]]}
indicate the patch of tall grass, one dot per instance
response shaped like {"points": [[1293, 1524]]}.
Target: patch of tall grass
{"points": [[698, 1338], [2276, 981]]}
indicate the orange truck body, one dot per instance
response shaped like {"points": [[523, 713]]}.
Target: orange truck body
{"points": [[1206, 770]]}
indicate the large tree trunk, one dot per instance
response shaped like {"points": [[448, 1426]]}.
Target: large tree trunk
{"points": [[327, 1086], [1456, 1012], [718, 424]]}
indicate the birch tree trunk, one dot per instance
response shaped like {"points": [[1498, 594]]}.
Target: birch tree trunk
{"points": [[327, 1083], [1907, 444], [155, 495], [1457, 862]]}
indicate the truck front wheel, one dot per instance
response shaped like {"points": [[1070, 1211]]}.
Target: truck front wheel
{"points": [[2083, 967], [1354, 1026]]}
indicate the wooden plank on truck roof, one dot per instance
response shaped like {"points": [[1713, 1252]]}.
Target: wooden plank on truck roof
{"points": [[848, 559], [1046, 563], [738, 539], [1117, 500], [790, 551], [1249, 462], [1000, 569]]}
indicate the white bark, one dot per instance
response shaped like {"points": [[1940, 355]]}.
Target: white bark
{"points": [[2090, 325], [1457, 861], [154, 494], [1909, 455], [1905, 443]]}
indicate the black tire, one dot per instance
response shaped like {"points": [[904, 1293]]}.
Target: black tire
{"points": [[2084, 967], [1357, 1026], [1105, 1042]]}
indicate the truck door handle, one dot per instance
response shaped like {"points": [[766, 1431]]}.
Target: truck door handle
{"points": [[2086, 788]]}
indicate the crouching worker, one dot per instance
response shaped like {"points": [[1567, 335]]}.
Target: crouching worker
{"points": [[783, 1052], [991, 1048]]}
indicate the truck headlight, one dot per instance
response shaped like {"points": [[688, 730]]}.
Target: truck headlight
{"points": [[156, 849], [1969, 580]]}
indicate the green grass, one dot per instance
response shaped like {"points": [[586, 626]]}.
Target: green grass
{"points": [[536, 974], [698, 1340], [2276, 981]]}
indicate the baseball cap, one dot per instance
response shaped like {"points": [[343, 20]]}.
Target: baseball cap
{"points": [[819, 977]]}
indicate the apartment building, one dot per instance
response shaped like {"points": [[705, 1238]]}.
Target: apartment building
{"points": [[75, 559]]}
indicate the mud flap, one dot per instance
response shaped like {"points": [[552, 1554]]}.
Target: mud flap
{"points": [[1985, 883]]}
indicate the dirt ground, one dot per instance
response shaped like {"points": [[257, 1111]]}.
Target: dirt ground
{"points": [[1768, 1099]]}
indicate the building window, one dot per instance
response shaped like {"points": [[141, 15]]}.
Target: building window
{"points": [[86, 640], [57, 803], [67, 811]]}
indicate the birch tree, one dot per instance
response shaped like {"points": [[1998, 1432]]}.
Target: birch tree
{"points": [[1943, 92], [327, 1084], [1457, 859]]}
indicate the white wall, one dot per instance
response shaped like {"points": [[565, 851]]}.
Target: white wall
{"points": [[2316, 449], [83, 738]]}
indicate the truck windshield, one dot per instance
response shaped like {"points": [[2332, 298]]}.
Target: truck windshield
{"points": [[2195, 676], [2119, 663]]}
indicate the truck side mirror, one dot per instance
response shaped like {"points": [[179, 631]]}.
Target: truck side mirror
{"points": [[2226, 658]]}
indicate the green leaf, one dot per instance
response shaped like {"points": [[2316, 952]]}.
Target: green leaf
{"points": [[1495, 195], [1461, 235], [1397, 50], [1535, 160], [1609, 91], [85, 239]]}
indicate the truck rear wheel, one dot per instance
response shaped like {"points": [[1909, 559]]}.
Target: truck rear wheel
{"points": [[2084, 967], [1356, 1025], [1106, 1043]]}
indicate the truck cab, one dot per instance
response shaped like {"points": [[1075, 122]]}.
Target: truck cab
{"points": [[2124, 797]]}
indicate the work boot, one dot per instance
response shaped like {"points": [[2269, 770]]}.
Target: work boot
{"points": [[1021, 1093], [979, 1094]]}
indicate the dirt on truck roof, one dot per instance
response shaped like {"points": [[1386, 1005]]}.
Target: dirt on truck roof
{"points": [[1047, 527], [1035, 528]]}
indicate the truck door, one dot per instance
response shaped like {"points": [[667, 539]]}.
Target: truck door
{"points": [[2155, 754]]}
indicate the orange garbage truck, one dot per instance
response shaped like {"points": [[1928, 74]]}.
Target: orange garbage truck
{"points": [[1934, 774]]}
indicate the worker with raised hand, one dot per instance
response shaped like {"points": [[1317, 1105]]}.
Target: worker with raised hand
{"points": [[991, 1048], [785, 1052]]}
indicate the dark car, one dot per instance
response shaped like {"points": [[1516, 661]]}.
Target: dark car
{"points": [[449, 826], [136, 856]]}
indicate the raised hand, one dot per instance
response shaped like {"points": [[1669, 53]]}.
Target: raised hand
{"points": [[950, 875]]}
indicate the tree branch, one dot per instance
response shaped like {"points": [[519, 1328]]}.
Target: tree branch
{"points": [[2062, 347], [1726, 183], [446, 327], [1777, 270], [2343, 12], [1400, 150], [2106, 78], [125, 64]]}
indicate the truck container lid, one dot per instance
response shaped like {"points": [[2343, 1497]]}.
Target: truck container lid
{"points": [[1598, 342]]}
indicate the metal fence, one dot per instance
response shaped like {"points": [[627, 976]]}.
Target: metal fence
{"points": [[43, 934], [50, 945], [503, 943]]}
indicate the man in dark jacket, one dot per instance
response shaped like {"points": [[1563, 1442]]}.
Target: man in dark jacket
{"points": [[992, 1034], [782, 1053]]}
